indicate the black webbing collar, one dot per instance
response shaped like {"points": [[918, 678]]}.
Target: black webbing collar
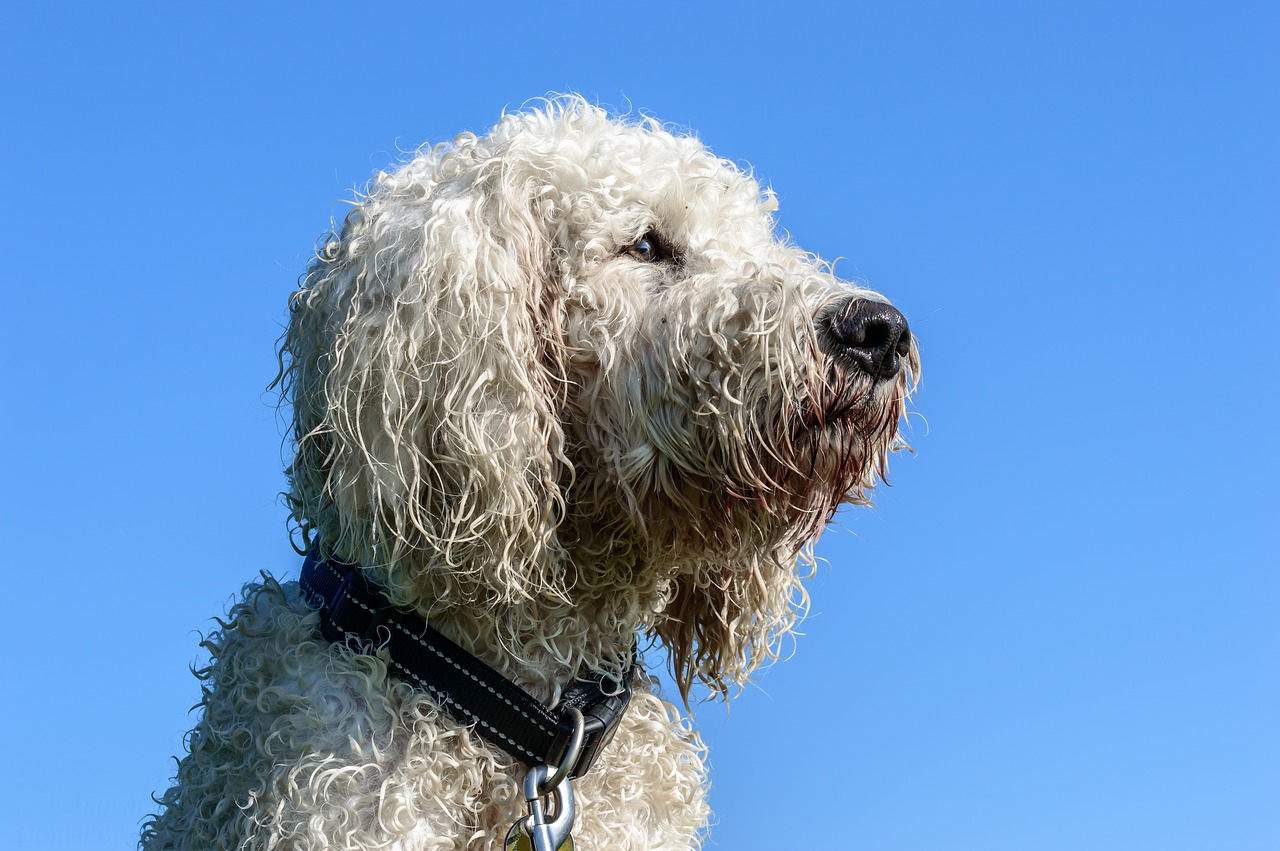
{"points": [[471, 692]]}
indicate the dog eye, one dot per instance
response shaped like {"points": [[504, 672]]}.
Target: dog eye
{"points": [[649, 249]]}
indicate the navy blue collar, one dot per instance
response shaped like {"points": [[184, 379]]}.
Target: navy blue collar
{"points": [[355, 611]]}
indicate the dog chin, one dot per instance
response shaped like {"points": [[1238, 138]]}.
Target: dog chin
{"points": [[839, 455]]}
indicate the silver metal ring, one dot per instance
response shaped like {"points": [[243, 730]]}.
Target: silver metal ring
{"points": [[570, 757]]}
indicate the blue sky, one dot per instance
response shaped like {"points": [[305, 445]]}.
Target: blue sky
{"points": [[1057, 630]]}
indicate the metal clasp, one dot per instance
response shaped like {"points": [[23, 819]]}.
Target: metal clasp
{"points": [[549, 832]]}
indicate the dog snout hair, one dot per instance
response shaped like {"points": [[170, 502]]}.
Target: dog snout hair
{"points": [[869, 336]]}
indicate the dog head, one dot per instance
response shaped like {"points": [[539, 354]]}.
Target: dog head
{"points": [[571, 360]]}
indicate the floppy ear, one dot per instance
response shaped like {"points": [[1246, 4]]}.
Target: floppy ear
{"points": [[422, 362]]}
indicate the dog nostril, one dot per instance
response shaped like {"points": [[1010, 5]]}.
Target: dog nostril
{"points": [[904, 343], [874, 334], [851, 337]]}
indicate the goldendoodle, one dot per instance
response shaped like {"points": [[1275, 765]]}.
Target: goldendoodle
{"points": [[558, 392]]}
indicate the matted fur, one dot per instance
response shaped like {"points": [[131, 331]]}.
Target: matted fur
{"points": [[546, 446]]}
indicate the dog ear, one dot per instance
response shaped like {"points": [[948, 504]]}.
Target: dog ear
{"points": [[423, 365]]}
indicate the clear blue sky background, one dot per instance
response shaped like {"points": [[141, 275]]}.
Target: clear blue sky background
{"points": [[1058, 630]]}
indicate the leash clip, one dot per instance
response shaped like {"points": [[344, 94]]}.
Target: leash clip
{"points": [[540, 831]]}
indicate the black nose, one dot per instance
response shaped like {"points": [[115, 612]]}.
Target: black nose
{"points": [[870, 335]]}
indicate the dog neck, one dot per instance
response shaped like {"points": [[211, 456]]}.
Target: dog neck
{"points": [[541, 642]]}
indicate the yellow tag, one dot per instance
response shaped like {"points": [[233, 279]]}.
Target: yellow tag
{"points": [[518, 840]]}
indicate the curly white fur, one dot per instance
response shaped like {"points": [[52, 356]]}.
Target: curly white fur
{"points": [[546, 445]]}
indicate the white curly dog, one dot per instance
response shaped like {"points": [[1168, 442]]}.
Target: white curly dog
{"points": [[554, 388]]}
